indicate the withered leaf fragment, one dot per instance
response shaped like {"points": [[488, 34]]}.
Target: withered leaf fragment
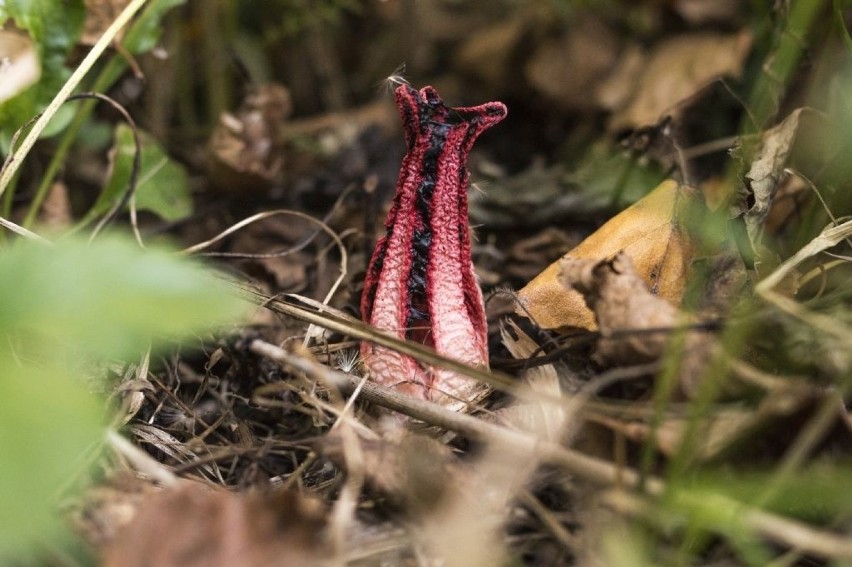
{"points": [[645, 323], [194, 525], [764, 175], [245, 148], [621, 301]]}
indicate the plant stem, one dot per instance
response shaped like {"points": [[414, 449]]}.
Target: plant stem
{"points": [[107, 76]]}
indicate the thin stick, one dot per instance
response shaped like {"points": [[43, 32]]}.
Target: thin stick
{"points": [[589, 468], [786, 531]]}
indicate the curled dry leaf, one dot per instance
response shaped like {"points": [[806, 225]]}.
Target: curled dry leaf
{"points": [[196, 525], [647, 231], [245, 149], [621, 301], [765, 174], [19, 64]]}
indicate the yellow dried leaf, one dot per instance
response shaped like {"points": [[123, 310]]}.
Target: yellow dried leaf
{"points": [[647, 231]]}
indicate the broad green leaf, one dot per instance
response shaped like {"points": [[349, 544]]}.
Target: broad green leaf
{"points": [[148, 28], [162, 187], [60, 305], [54, 26], [109, 297], [49, 424]]}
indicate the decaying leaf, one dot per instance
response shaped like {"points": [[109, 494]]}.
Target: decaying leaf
{"points": [[109, 507], [412, 470], [704, 11], [55, 214], [19, 65], [675, 71], [647, 231], [567, 68], [636, 326], [197, 525], [621, 301], [487, 54], [765, 173], [245, 149], [99, 15]]}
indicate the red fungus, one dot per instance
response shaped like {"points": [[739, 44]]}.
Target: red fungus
{"points": [[420, 282]]}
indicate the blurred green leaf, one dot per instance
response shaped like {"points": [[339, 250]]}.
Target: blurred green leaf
{"points": [[109, 297], [148, 28], [820, 492], [163, 188], [608, 175], [58, 306], [48, 423], [55, 26]]}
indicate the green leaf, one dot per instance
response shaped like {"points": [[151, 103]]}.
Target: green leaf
{"points": [[58, 306], [55, 26], [48, 425], [163, 188], [818, 492], [109, 297], [147, 29]]}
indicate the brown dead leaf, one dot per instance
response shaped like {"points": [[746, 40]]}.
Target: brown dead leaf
{"points": [[706, 11], [195, 525], [110, 506], [55, 214], [566, 69], [621, 301], [100, 14], [675, 71], [620, 86], [765, 174], [412, 470], [644, 322], [647, 232], [487, 54], [245, 148], [19, 63]]}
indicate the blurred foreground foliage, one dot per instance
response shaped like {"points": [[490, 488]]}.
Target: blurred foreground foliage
{"points": [[65, 309]]}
